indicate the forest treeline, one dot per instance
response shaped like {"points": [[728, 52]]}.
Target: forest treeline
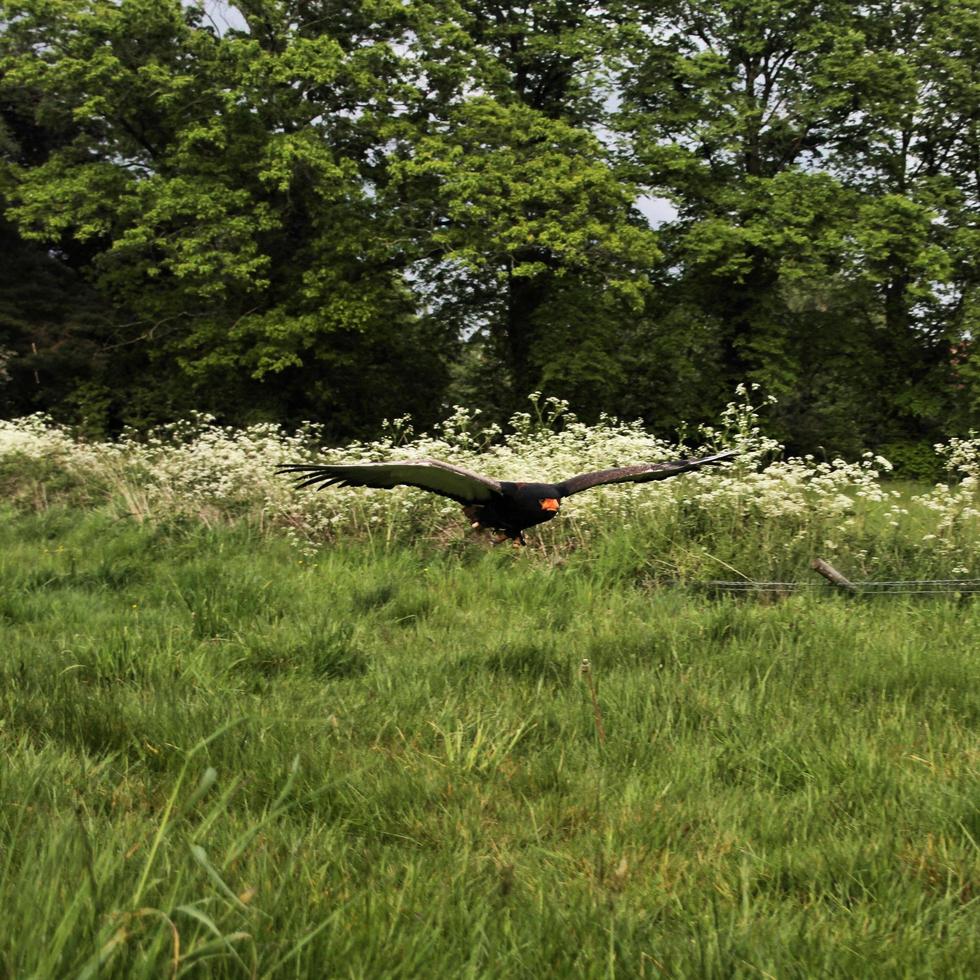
{"points": [[314, 209]]}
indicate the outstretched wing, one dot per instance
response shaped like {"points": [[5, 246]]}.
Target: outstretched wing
{"points": [[427, 474], [642, 473]]}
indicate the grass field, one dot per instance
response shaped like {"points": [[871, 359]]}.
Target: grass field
{"points": [[221, 758]]}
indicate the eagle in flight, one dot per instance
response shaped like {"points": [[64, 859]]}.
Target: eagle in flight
{"points": [[510, 508]]}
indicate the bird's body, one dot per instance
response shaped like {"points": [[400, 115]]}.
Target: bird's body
{"points": [[520, 506], [504, 506]]}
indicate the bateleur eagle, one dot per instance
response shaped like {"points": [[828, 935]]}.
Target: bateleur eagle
{"points": [[507, 507]]}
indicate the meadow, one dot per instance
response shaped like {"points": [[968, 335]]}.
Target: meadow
{"points": [[248, 734]]}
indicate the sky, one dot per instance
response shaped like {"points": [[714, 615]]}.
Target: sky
{"points": [[657, 210]]}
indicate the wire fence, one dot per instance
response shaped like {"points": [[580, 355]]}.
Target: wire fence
{"points": [[939, 586]]}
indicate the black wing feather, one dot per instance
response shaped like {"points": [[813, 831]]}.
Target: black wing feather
{"points": [[641, 473], [453, 482]]}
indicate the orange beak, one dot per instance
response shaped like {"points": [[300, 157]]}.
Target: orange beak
{"points": [[549, 503]]}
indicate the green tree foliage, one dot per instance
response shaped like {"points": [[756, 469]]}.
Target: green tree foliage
{"points": [[802, 144], [538, 234], [536, 252], [346, 211], [225, 187]]}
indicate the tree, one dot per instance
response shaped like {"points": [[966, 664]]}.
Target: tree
{"points": [[287, 209], [761, 119], [52, 324], [913, 158], [348, 211], [536, 250], [223, 186], [539, 234]]}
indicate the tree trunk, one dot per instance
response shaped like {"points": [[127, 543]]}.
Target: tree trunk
{"points": [[525, 294]]}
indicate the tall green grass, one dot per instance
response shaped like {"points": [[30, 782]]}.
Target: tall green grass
{"points": [[224, 758]]}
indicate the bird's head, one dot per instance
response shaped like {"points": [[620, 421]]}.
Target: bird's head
{"points": [[550, 504]]}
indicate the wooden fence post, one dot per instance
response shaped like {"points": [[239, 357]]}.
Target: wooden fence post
{"points": [[832, 575]]}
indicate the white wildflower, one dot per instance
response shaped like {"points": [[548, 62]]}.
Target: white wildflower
{"points": [[196, 468]]}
